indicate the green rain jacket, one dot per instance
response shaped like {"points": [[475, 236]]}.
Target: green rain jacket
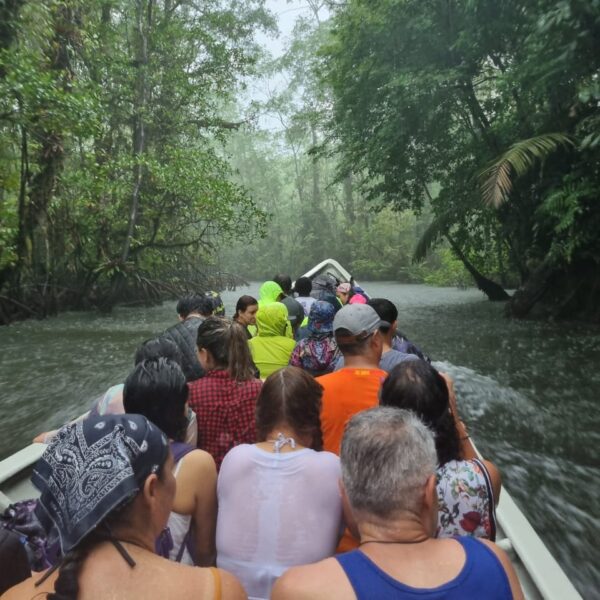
{"points": [[271, 348], [269, 293]]}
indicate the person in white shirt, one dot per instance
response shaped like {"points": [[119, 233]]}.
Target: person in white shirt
{"points": [[279, 502]]}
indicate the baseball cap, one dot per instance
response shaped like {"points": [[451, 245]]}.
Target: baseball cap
{"points": [[360, 320]]}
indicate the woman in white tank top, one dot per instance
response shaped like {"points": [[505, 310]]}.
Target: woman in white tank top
{"points": [[279, 502]]}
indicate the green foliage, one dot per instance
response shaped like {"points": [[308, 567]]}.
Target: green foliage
{"points": [[461, 93], [451, 272], [112, 131], [519, 159]]}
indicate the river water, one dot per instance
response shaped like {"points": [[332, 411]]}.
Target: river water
{"points": [[528, 391]]}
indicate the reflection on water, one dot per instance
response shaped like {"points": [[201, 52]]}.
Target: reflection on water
{"points": [[527, 390]]}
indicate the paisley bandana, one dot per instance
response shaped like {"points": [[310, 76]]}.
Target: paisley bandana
{"points": [[91, 468]]}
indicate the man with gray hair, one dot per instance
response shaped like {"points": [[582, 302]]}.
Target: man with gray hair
{"points": [[388, 486]]}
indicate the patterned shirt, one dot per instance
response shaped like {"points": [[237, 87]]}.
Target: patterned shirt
{"points": [[224, 410], [465, 500]]}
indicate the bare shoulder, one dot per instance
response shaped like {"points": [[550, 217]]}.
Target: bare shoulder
{"points": [[185, 581], [513, 580], [26, 589], [201, 460], [324, 580], [231, 588]]}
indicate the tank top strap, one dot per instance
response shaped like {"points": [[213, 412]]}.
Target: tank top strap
{"points": [[486, 572], [365, 581], [217, 581], [177, 467], [490, 493]]}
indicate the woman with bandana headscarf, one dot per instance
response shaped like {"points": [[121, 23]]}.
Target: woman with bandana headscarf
{"points": [[319, 352], [107, 488]]}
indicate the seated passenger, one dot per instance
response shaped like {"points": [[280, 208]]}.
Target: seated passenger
{"points": [[245, 313], [303, 288], [356, 386], [394, 506], [279, 502], [348, 295], [468, 488], [271, 348], [107, 490], [111, 402], [217, 302], [388, 313], [269, 292], [323, 288], [157, 390], [402, 344], [294, 308], [224, 400], [192, 311], [319, 352]]}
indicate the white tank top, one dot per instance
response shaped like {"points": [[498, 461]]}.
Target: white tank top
{"points": [[179, 525]]}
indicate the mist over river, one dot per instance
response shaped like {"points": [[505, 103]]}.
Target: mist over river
{"points": [[528, 392]]}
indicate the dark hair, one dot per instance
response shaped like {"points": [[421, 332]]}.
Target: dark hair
{"points": [[292, 396], [157, 347], [303, 286], [157, 389], [349, 344], [199, 303], [415, 385], [182, 307], [285, 281], [385, 310], [243, 303], [227, 342]]}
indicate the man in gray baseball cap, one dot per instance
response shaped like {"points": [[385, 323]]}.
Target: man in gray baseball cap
{"points": [[355, 322], [355, 387]]}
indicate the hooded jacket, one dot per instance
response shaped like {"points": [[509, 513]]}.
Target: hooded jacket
{"points": [[184, 334], [271, 348]]}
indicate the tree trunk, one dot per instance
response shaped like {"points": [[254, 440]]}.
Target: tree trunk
{"points": [[50, 161], [349, 199], [141, 60], [316, 174], [490, 288], [143, 22], [568, 292]]}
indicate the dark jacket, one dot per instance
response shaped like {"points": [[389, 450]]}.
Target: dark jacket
{"points": [[184, 334]]}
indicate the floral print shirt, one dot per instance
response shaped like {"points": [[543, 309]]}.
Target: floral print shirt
{"points": [[465, 500]]}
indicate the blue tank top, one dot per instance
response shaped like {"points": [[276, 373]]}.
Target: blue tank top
{"points": [[482, 576]]}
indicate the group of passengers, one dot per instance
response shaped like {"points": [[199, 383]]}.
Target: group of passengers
{"points": [[303, 449]]}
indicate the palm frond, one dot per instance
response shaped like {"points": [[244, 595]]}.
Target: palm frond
{"points": [[437, 228], [496, 179]]}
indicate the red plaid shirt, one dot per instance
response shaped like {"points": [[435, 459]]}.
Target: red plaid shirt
{"points": [[225, 411]]}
